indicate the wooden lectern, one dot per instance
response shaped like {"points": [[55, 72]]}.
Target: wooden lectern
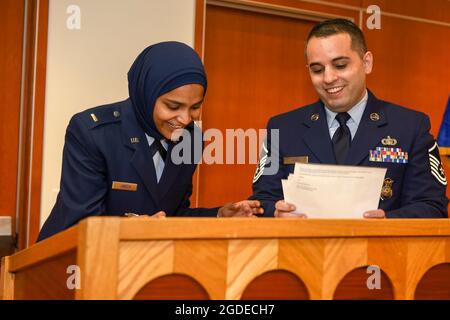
{"points": [[207, 258]]}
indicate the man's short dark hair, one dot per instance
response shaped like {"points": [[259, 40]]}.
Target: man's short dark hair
{"points": [[335, 26]]}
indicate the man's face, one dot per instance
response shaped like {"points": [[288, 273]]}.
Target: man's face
{"points": [[177, 109], [338, 73]]}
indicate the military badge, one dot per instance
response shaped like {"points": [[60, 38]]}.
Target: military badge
{"points": [[436, 166], [374, 116], [386, 190], [315, 117], [384, 154], [388, 141]]}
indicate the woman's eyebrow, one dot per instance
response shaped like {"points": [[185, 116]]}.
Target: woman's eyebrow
{"points": [[173, 101], [180, 102]]}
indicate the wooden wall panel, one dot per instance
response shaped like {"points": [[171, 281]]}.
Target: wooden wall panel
{"points": [[32, 127], [432, 10], [38, 121], [11, 26], [22, 79], [348, 8], [411, 65]]}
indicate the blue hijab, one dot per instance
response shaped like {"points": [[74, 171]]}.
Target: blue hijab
{"points": [[161, 68]]}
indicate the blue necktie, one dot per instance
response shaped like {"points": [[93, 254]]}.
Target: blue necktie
{"points": [[342, 138], [157, 147]]}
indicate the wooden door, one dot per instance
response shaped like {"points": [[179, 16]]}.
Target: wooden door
{"points": [[11, 35], [23, 57]]}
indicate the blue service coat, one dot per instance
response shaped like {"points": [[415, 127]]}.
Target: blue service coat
{"points": [[418, 190], [104, 145]]}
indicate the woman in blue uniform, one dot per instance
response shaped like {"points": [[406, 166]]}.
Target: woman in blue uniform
{"points": [[117, 158]]}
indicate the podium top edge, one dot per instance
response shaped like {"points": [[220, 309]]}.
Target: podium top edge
{"points": [[263, 228]]}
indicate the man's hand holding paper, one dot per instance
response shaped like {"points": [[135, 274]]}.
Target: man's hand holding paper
{"points": [[330, 191]]}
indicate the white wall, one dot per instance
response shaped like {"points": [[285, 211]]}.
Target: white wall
{"points": [[88, 67]]}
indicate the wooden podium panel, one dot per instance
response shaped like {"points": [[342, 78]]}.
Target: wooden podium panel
{"points": [[242, 258]]}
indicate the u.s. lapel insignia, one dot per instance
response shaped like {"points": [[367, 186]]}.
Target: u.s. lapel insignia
{"points": [[388, 141], [436, 166], [134, 140], [386, 190], [374, 116], [315, 117]]}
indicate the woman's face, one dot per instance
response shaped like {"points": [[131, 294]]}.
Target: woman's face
{"points": [[176, 109]]}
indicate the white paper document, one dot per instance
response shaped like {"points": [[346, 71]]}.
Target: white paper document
{"points": [[332, 191]]}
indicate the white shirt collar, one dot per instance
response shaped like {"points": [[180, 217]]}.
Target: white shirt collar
{"points": [[355, 112]]}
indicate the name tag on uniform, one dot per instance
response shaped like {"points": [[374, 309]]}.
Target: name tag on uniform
{"points": [[294, 160], [125, 186]]}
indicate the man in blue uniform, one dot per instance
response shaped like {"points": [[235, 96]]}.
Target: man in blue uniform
{"points": [[350, 126]]}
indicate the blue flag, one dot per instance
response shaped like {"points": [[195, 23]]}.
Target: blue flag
{"points": [[444, 133]]}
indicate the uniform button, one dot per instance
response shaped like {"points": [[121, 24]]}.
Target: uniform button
{"points": [[116, 114]]}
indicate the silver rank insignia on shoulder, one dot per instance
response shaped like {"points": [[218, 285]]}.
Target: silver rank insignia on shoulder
{"points": [[134, 140], [261, 163], [388, 141], [386, 190], [94, 117], [436, 165]]}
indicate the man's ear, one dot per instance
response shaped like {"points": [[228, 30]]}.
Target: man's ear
{"points": [[368, 62]]}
